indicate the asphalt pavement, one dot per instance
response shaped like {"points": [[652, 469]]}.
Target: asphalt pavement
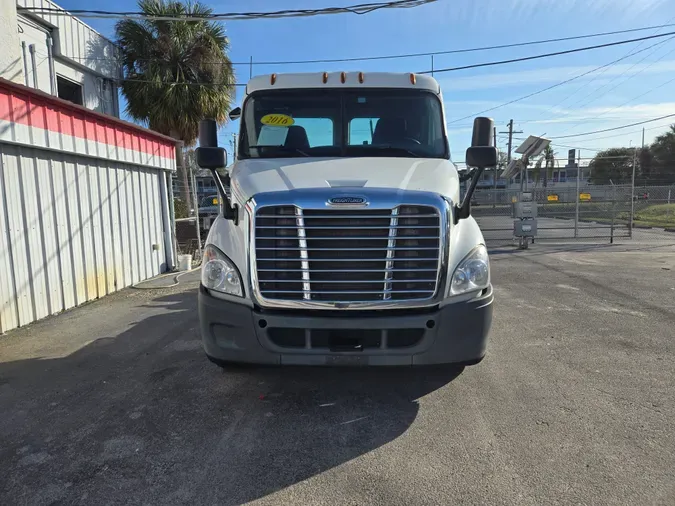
{"points": [[115, 403]]}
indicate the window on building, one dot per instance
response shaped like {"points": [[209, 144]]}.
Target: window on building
{"points": [[69, 90]]}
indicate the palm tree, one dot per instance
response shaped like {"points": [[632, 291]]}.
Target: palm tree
{"points": [[547, 157], [176, 73]]}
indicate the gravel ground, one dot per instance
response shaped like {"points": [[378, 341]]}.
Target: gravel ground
{"points": [[115, 403]]}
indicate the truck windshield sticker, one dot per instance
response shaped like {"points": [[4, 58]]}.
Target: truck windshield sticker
{"points": [[272, 136], [277, 120]]}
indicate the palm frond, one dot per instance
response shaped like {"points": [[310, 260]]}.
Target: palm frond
{"points": [[177, 72]]}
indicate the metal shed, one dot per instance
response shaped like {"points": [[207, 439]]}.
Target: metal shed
{"points": [[84, 207]]}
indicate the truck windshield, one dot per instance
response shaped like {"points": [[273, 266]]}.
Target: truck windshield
{"points": [[343, 123]]}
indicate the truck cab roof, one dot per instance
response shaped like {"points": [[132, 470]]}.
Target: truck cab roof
{"points": [[342, 79]]}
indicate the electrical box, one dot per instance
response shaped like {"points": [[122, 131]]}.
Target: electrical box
{"points": [[526, 210], [525, 228]]}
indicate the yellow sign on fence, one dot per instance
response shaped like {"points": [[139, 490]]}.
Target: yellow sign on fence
{"points": [[584, 196], [552, 198]]}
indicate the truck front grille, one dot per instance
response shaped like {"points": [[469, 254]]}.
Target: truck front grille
{"points": [[347, 255]]}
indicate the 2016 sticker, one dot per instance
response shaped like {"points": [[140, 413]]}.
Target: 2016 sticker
{"points": [[277, 120]]}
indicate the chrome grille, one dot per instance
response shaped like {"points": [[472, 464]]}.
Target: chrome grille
{"points": [[347, 255]]}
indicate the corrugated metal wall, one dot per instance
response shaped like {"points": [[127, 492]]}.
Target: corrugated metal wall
{"points": [[73, 230]]}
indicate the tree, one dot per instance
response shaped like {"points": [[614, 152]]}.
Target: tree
{"points": [[548, 156], [663, 154], [614, 165], [176, 73]]}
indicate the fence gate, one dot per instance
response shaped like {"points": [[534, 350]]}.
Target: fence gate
{"points": [[597, 213]]}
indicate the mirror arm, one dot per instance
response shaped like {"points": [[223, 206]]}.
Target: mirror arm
{"points": [[464, 210], [210, 156], [230, 211], [481, 154]]}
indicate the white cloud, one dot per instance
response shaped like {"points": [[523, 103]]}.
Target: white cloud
{"points": [[620, 115], [525, 10], [551, 75]]}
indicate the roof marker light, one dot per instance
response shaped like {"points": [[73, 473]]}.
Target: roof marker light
{"points": [[325, 77], [361, 77], [413, 79], [273, 79], [343, 77]]}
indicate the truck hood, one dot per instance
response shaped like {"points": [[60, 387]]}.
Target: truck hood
{"points": [[253, 176]]}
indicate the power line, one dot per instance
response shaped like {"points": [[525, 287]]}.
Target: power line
{"points": [[626, 71], [614, 128], [517, 60], [359, 9], [634, 49], [602, 138], [429, 53], [621, 83], [548, 55], [625, 103], [619, 135], [632, 53], [548, 88], [176, 83]]}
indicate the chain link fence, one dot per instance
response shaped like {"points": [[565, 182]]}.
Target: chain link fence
{"points": [[593, 212], [599, 213], [188, 229]]}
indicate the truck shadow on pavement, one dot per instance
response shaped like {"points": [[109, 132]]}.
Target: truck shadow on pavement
{"points": [[143, 417]]}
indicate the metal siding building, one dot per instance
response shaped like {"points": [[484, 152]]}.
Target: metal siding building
{"points": [[57, 53], [84, 207]]}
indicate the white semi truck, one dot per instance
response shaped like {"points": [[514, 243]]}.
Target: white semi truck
{"points": [[342, 239]]}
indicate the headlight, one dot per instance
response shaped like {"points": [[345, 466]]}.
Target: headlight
{"points": [[219, 273], [472, 273]]}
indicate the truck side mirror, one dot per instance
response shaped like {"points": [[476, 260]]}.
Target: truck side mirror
{"points": [[212, 157], [481, 155], [235, 113]]}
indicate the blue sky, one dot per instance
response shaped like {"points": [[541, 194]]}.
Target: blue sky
{"points": [[633, 90]]}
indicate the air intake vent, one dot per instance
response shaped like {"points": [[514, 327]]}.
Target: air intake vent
{"points": [[347, 255]]}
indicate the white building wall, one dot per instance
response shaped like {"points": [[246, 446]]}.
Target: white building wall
{"points": [[11, 62], [74, 39], [79, 54], [32, 34], [73, 230], [84, 205]]}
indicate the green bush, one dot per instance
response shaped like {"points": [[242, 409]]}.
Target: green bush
{"points": [[180, 208]]}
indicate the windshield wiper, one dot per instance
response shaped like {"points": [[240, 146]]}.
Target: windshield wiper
{"points": [[285, 149], [393, 149]]}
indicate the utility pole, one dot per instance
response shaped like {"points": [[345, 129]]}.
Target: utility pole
{"points": [[643, 137], [632, 198], [494, 141], [494, 182], [250, 68], [508, 154], [576, 208]]}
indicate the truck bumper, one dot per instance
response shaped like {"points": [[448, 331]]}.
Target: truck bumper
{"points": [[456, 333]]}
